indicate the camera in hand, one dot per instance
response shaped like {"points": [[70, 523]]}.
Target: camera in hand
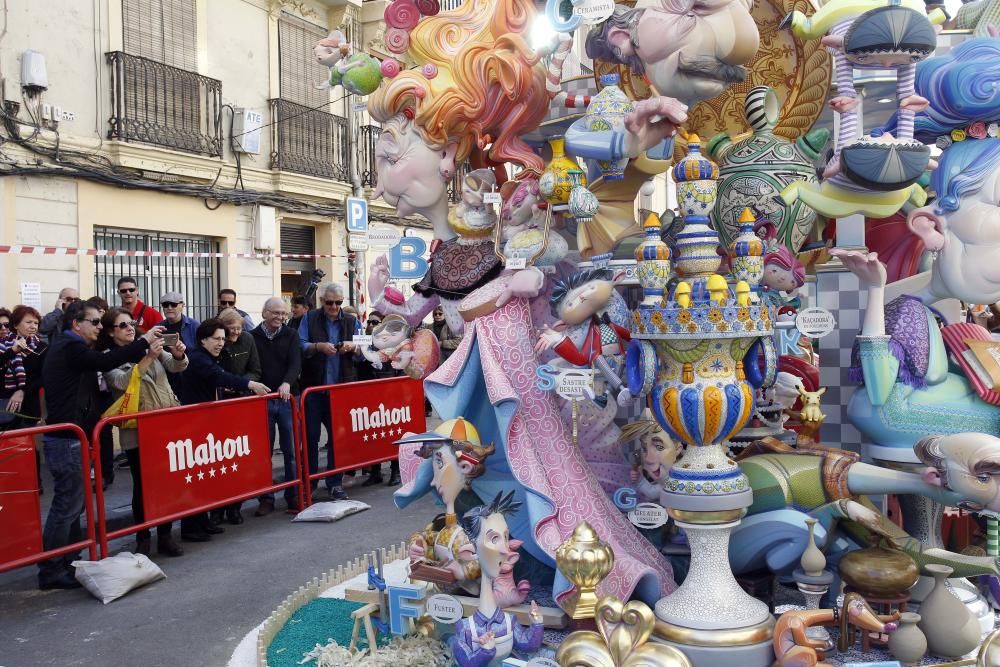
{"points": [[170, 339]]}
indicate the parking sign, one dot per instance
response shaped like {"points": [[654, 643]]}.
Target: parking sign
{"points": [[357, 214]]}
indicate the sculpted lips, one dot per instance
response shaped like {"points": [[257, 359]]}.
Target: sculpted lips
{"points": [[710, 67]]}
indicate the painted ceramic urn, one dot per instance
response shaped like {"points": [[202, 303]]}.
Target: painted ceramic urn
{"points": [[746, 252], [606, 111], [696, 178], [754, 169], [555, 183], [652, 258], [582, 202]]}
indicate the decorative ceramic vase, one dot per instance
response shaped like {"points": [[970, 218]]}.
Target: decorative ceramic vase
{"points": [[813, 562], [747, 252], [697, 242], [755, 169], [907, 643], [652, 258], [951, 629], [879, 572], [584, 559], [605, 112], [582, 202], [555, 183]]}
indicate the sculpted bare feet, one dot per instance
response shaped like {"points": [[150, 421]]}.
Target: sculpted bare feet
{"points": [[914, 103], [844, 103]]}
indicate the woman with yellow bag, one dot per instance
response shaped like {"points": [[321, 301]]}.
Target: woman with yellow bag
{"points": [[136, 388]]}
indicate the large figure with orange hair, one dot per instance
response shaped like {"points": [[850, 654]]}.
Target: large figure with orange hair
{"points": [[477, 87]]}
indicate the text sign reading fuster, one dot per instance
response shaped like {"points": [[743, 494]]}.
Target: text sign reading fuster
{"points": [[215, 452], [366, 423], [445, 608]]}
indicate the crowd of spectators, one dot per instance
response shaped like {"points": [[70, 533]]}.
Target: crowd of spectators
{"points": [[70, 365]]}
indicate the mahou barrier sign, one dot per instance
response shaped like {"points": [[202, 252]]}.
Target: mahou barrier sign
{"points": [[369, 416], [20, 516], [210, 453]]}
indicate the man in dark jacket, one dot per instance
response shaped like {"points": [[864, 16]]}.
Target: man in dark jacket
{"points": [[329, 357], [280, 352], [70, 381]]}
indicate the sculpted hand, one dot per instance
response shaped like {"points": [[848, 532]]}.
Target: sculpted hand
{"points": [[546, 339], [417, 548], [536, 616], [651, 122], [524, 284], [378, 278], [488, 641], [634, 475], [869, 270]]}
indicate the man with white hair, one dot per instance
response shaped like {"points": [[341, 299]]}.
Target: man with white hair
{"points": [[278, 347], [329, 356]]}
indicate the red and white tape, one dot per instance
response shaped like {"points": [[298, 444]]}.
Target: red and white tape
{"points": [[58, 250]]}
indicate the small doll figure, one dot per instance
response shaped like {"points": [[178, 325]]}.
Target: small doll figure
{"points": [[415, 352], [332, 49], [783, 276], [522, 219], [651, 452], [473, 214], [487, 638], [457, 457], [590, 340]]}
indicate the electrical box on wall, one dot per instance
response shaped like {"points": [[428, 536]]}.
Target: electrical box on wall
{"points": [[246, 130], [34, 76], [265, 228]]}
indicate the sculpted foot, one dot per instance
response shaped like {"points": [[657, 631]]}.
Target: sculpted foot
{"points": [[844, 103], [914, 103], [832, 168], [833, 41]]}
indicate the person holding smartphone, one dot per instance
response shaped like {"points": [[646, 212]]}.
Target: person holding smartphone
{"points": [[52, 321]]}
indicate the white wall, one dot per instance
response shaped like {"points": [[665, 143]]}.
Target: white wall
{"points": [[47, 214]]}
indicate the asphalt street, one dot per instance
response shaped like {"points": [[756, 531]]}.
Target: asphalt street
{"points": [[212, 596]]}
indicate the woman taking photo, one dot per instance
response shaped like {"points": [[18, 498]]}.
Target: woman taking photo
{"points": [[239, 357], [154, 393], [203, 381], [22, 353]]}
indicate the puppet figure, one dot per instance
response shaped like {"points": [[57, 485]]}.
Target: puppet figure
{"points": [[589, 340], [487, 638], [783, 276], [651, 456], [458, 457], [472, 214], [415, 352]]}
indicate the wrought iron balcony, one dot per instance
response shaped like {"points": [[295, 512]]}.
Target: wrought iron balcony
{"points": [[369, 137], [309, 141], [158, 104]]}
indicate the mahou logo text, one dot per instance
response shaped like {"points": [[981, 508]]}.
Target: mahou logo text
{"points": [[184, 455], [363, 419]]}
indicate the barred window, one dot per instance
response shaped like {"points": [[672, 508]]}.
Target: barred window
{"points": [[162, 30], [300, 73]]}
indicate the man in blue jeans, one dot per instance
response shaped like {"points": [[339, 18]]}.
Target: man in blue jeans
{"points": [[70, 381], [329, 357], [280, 355]]}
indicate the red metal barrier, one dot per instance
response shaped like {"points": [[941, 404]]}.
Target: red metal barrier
{"points": [[191, 458], [20, 518], [367, 417]]}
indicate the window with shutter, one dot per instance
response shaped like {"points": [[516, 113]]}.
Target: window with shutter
{"points": [[162, 30], [300, 73], [298, 240]]}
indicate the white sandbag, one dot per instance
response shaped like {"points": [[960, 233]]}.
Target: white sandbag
{"points": [[331, 511], [110, 578]]}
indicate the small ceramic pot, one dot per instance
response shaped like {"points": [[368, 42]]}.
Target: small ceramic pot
{"points": [[951, 629], [908, 644], [813, 562]]}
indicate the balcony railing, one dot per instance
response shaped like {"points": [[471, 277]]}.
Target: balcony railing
{"points": [[369, 137], [158, 104], [309, 141]]}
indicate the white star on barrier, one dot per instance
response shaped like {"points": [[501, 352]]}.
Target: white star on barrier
{"points": [[188, 478], [382, 434], [234, 467], [223, 469], [366, 437], [211, 472], [201, 475], [399, 431]]}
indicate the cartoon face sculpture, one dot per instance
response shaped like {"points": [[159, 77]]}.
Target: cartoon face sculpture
{"points": [[411, 173], [582, 296], [391, 333], [331, 49], [782, 271], [487, 529], [966, 463], [689, 50]]}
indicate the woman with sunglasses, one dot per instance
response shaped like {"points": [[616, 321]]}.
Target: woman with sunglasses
{"points": [[239, 357], [22, 353], [203, 382], [119, 330]]}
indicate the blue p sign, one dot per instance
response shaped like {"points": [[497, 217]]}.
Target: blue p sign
{"points": [[357, 214], [405, 258]]}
